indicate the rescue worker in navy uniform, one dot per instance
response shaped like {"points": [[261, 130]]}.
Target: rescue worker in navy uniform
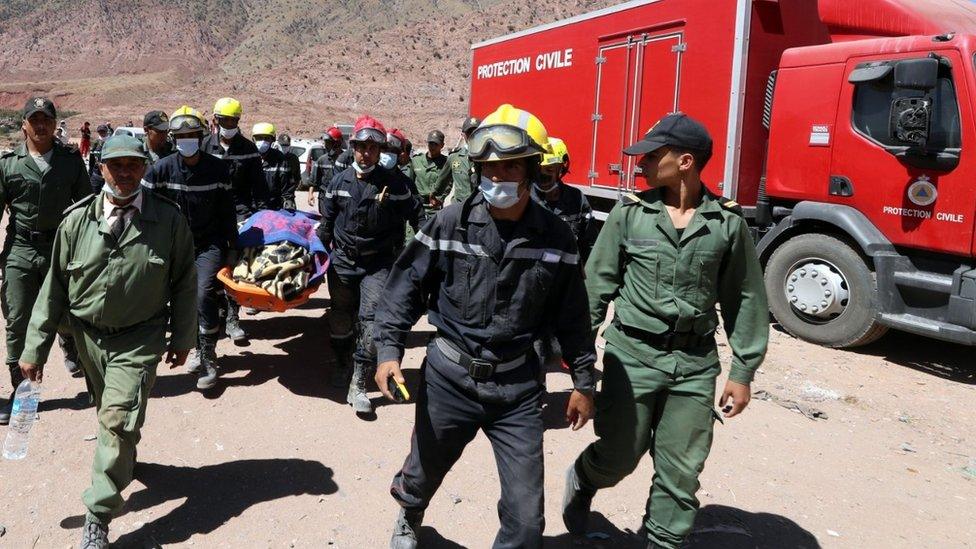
{"points": [[366, 208], [38, 181], [667, 257], [294, 163], [567, 202], [326, 166], [247, 179], [496, 272], [200, 184], [279, 172]]}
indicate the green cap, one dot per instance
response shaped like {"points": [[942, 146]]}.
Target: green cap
{"points": [[120, 146]]}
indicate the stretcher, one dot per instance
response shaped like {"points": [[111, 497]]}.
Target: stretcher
{"points": [[289, 231], [256, 297]]}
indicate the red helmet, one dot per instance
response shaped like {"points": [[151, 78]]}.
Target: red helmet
{"points": [[395, 140], [334, 134], [368, 128]]}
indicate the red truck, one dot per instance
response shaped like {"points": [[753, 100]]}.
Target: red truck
{"points": [[838, 125]]}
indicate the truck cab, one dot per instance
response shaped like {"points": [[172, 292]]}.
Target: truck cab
{"points": [[866, 151]]}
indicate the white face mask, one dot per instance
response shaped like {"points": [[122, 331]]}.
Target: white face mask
{"points": [[361, 170], [501, 194], [263, 146], [188, 147], [388, 160], [227, 134], [107, 189]]}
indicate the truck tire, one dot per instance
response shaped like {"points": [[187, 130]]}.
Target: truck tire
{"points": [[821, 290]]}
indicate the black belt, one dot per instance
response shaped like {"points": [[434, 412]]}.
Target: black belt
{"points": [[668, 341], [35, 237], [477, 368]]}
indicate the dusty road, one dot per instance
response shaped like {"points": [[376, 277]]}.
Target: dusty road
{"points": [[275, 458]]}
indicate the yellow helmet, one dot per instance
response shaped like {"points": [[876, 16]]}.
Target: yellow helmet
{"points": [[186, 119], [228, 106], [557, 153], [507, 133], [263, 128]]}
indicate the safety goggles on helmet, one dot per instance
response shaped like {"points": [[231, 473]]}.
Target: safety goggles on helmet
{"points": [[185, 124], [368, 134], [393, 142], [504, 139]]}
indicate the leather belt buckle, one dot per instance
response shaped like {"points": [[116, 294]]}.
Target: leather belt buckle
{"points": [[480, 369]]}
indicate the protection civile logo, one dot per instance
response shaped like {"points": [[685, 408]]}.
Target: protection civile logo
{"points": [[922, 192], [38, 102]]}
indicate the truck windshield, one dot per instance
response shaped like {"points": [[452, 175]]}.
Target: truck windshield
{"points": [[871, 113]]}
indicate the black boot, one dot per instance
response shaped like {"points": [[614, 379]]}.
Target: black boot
{"points": [[357, 397], [16, 377], [577, 499], [94, 535], [193, 361], [233, 326], [208, 362], [6, 408], [405, 529], [67, 344], [342, 348]]}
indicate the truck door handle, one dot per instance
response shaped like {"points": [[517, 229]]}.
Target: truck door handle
{"points": [[615, 168]]}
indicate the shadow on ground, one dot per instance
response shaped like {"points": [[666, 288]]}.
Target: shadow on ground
{"points": [[214, 494], [303, 363], [937, 358], [716, 527]]}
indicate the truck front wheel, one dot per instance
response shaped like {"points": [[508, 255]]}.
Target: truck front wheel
{"points": [[820, 290]]}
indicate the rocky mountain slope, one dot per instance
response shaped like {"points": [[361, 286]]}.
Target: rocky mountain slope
{"points": [[300, 64]]}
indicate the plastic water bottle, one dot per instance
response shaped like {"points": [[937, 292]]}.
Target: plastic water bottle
{"points": [[22, 418]]}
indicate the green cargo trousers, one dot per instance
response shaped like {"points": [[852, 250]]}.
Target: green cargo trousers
{"points": [[120, 369], [641, 409], [24, 269]]}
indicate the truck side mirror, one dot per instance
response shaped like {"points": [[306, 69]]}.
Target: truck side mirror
{"points": [[911, 116], [917, 74], [909, 120]]}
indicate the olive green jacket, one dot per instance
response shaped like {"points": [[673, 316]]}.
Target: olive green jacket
{"points": [[659, 283], [458, 175], [427, 177], [148, 277], [37, 200]]}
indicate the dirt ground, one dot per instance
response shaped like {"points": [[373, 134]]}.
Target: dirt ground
{"points": [[275, 458]]}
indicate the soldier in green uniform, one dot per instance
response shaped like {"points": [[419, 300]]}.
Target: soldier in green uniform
{"points": [[666, 257], [427, 168], [38, 181], [122, 275], [458, 172]]}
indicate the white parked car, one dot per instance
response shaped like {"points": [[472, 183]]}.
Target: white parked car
{"points": [[308, 151], [136, 132]]}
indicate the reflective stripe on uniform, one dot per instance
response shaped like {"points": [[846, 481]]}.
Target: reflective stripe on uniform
{"points": [[330, 194], [404, 196], [185, 188], [236, 156], [451, 245], [547, 255]]}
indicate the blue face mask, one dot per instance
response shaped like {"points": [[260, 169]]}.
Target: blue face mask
{"points": [[263, 146], [388, 160], [501, 194]]}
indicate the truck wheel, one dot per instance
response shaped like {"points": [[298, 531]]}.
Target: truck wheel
{"points": [[820, 290]]}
